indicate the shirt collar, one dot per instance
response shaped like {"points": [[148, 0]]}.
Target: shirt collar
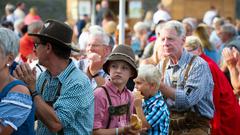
{"points": [[181, 61], [63, 75], [113, 88], [153, 98]]}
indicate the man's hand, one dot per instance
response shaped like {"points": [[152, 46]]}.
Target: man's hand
{"points": [[96, 63], [23, 72]]}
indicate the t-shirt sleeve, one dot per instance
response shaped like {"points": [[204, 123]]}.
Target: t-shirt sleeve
{"points": [[14, 109]]}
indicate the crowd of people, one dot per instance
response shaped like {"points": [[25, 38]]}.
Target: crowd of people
{"points": [[169, 77]]}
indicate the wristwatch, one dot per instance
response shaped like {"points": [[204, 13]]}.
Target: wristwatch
{"points": [[93, 76]]}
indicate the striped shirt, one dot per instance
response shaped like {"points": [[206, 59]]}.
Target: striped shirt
{"points": [[195, 93], [75, 105], [157, 115]]}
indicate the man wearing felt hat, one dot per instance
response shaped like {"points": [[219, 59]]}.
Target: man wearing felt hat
{"points": [[66, 103]]}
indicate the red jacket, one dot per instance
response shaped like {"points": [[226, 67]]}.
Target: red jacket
{"points": [[226, 120], [26, 47]]}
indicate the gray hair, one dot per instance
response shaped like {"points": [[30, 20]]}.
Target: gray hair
{"points": [[139, 26], [97, 31], [9, 42], [175, 25], [149, 73], [229, 28], [35, 26]]}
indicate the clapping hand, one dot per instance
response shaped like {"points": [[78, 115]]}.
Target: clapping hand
{"points": [[25, 73]]}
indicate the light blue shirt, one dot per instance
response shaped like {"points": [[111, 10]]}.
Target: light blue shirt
{"points": [[75, 105], [196, 92]]}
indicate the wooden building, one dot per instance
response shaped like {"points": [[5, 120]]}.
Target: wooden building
{"points": [[135, 9]]}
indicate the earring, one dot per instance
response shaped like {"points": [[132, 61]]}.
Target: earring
{"points": [[8, 65]]}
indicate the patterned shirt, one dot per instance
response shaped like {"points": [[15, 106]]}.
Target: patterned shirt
{"points": [[15, 109], [75, 105], [195, 93], [157, 114]]}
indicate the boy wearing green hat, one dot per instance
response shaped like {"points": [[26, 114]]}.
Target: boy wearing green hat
{"points": [[113, 101]]}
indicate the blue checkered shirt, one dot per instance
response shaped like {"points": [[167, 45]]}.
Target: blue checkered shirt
{"points": [[157, 115], [75, 105], [196, 92]]}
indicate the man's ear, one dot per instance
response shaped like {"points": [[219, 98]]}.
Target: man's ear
{"points": [[49, 47]]}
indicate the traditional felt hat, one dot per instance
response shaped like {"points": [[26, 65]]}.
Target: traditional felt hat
{"points": [[123, 53], [54, 30]]}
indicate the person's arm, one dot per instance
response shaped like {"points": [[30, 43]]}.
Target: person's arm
{"points": [[111, 131], [5, 130], [126, 130], [231, 57], [18, 112], [47, 114], [100, 116], [198, 83], [100, 80], [95, 65], [234, 76], [44, 112], [167, 91], [140, 113]]}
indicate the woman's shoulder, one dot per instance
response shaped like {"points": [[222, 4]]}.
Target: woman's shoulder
{"points": [[20, 89]]}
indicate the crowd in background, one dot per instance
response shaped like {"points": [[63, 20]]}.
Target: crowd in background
{"points": [[166, 72]]}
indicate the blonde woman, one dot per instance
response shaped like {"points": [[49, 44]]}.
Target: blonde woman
{"points": [[208, 48]]}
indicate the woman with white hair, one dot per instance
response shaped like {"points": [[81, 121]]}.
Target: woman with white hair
{"points": [[16, 112]]}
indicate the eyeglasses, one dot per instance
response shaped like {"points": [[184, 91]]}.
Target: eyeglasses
{"points": [[36, 45], [96, 45]]}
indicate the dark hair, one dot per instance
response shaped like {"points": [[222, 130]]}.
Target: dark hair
{"points": [[19, 4], [108, 15], [59, 49], [24, 29], [8, 24]]}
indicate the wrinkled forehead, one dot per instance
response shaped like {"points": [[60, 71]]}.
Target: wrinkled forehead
{"points": [[168, 32], [96, 40]]}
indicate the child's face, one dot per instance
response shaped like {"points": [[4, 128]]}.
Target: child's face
{"points": [[142, 86], [120, 72]]}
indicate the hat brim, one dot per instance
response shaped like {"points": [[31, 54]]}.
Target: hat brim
{"points": [[120, 58], [69, 45]]}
